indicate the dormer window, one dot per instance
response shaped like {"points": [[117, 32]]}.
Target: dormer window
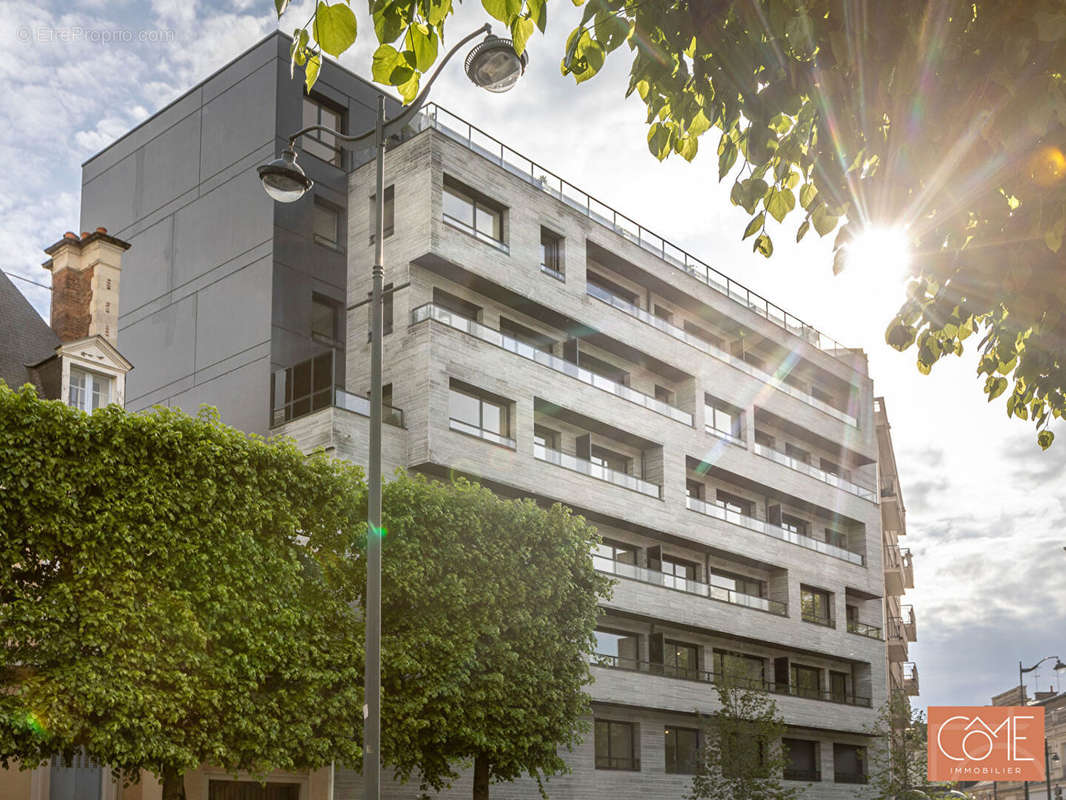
{"points": [[88, 390]]}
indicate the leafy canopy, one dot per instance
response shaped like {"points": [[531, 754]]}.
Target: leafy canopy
{"points": [[900, 764], [171, 593], [945, 118]]}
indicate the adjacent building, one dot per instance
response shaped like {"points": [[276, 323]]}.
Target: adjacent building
{"points": [[547, 346]]}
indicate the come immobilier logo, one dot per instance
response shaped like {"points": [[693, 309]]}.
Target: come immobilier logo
{"points": [[986, 743]]}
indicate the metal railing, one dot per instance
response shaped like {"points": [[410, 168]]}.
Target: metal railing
{"points": [[862, 629], [481, 433], [472, 231], [476, 140], [729, 437], [720, 593], [706, 347], [850, 486], [361, 405], [818, 619], [708, 676], [849, 777], [720, 511], [494, 337], [309, 386], [797, 774], [571, 462]]}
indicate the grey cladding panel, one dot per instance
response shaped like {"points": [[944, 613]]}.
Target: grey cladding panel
{"points": [[238, 121], [146, 266], [233, 314], [108, 199], [161, 347], [168, 166], [241, 396]]}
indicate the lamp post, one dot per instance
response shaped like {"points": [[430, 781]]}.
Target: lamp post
{"points": [[1049, 759], [1059, 667], [493, 65]]}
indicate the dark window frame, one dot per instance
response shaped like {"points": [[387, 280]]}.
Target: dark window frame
{"points": [[630, 762], [677, 760], [323, 138]]}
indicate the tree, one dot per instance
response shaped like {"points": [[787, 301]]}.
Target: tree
{"points": [[743, 758], [944, 118], [171, 594], [901, 764], [489, 609]]}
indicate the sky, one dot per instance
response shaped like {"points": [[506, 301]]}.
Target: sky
{"points": [[986, 509]]}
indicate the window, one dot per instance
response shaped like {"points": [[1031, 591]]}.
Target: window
{"points": [[326, 224], [797, 453], [677, 573], [739, 668], [478, 415], [849, 763], [322, 144], [736, 504], [617, 649], [609, 286], [665, 314], [838, 686], [458, 306], [834, 469], [545, 437], [703, 333], [723, 419], [551, 254], [741, 584], [386, 309], [806, 681], [755, 361], [325, 318], [616, 462], [388, 213], [802, 760], [664, 395], [764, 439], [80, 778], [386, 395], [815, 605], [616, 745], [473, 213], [819, 393], [836, 538], [604, 369], [527, 336], [88, 390], [795, 525], [614, 552], [681, 660], [682, 750], [694, 489]]}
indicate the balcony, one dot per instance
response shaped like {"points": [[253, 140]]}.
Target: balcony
{"points": [[865, 492], [862, 629], [567, 461], [910, 625], [494, 337], [719, 511], [706, 347], [476, 140], [719, 593], [817, 619], [706, 676], [309, 386], [910, 678], [897, 640]]}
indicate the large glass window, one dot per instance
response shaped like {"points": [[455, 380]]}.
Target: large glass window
{"points": [[736, 504], [616, 744], [520, 333], [88, 390], [475, 214], [322, 144], [612, 552], [797, 453], [325, 318], [617, 649], [739, 668], [545, 437], [741, 584], [609, 459], [806, 681], [722, 418], [682, 747], [79, 778], [456, 305], [815, 605], [681, 660], [478, 415], [838, 686], [326, 223], [802, 760], [849, 763], [795, 525], [677, 572]]}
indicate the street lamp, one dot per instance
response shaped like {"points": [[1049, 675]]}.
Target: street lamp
{"points": [[1049, 759], [1059, 667], [493, 65]]}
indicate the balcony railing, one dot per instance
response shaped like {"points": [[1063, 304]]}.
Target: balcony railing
{"points": [[862, 629], [309, 386], [818, 619], [732, 438], [711, 591], [567, 461], [700, 344], [707, 676], [866, 493], [480, 433], [494, 337], [494, 150], [849, 777], [719, 511], [797, 774]]}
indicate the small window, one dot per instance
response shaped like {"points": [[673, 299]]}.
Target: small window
{"points": [[797, 454], [327, 223], [551, 254], [682, 750], [526, 336], [736, 504], [604, 368], [664, 395], [681, 660], [795, 525], [545, 438], [479, 415], [806, 681], [834, 469], [815, 605], [616, 462], [389, 213], [802, 760], [609, 286], [677, 572], [695, 489], [456, 305], [836, 538], [703, 334], [740, 584], [322, 144], [386, 309], [108, 283], [838, 686], [665, 314], [616, 552], [325, 318], [764, 439], [740, 668], [472, 212], [617, 649], [849, 763], [616, 744], [88, 390], [721, 418]]}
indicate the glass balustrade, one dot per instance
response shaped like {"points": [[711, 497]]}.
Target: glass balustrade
{"points": [[593, 470], [807, 469]]}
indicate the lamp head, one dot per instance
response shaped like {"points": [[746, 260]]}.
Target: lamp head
{"points": [[494, 65], [1059, 666], [283, 179]]}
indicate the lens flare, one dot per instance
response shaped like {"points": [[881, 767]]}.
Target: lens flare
{"points": [[882, 253], [1047, 166]]}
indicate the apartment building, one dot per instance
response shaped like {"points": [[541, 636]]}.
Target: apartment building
{"points": [[901, 626]]}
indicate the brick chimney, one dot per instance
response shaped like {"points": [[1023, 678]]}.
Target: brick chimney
{"points": [[85, 273]]}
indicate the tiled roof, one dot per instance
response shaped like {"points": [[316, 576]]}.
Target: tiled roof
{"points": [[25, 338]]}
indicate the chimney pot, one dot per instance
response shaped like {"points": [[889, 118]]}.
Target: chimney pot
{"points": [[70, 235], [84, 234], [101, 229]]}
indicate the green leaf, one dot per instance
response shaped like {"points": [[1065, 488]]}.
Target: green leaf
{"points": [[408, 89], [538, 12], [422, 41], [334, 28], [436, 12], [659, 140], [726, 159], [521, 29], [280, 6], [803, 228], [687, 146], [298, 50], [390, 66], [314, 64], [823, 221], [506, 11], [840, 260], [807, 193], [763, 245], [611, 30], [754, 190], [780, 202], [994, 387], [757, 222], [390, 22], [1044, 439]]}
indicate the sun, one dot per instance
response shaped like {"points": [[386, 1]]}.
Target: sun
{"points": [[880, 254]]}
